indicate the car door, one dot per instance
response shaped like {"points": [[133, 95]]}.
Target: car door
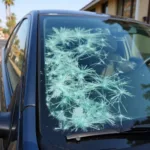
{"points": [[3, 107], [3, 82], [13, 72]]}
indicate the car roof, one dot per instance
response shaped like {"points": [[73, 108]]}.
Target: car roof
{"points": [[86, 13], [72, 12]]}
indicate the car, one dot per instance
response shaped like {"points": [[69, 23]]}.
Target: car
{"points": [[75, 80]]}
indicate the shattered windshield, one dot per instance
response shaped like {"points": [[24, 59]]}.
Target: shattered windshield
{"points": [[94, 72]]}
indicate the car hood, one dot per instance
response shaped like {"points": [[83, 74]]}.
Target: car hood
{"points": [[138, 142]]}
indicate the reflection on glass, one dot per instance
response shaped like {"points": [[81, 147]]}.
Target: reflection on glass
{"points": [[127, 8], [134, 7], [16, 55], [91, 63], [120, 6]]}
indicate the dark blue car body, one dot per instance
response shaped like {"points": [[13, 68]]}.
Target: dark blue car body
{"points": [[27, 138], [26, 135]]}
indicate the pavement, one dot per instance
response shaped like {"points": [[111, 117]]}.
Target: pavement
{"points": [[2, 44]]}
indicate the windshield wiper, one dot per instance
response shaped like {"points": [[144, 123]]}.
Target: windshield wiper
{"points": [[135, 129], [78, 136], [145, 127]]}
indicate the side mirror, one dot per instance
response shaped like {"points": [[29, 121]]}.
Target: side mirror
{"points": [[5, 124]]}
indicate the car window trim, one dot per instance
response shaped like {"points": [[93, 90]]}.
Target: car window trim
{"points": [[8, 49], [5, 54], [6, 58], [11, 36]]}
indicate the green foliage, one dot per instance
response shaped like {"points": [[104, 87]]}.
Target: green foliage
{"points": [[8, 2], [11, 18], [11, 23], [5, 31]]}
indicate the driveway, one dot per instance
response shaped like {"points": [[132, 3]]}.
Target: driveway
{"points": [[2, 44]]}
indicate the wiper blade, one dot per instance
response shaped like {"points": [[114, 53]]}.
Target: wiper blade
{"points": [[144, 127], [135, 129], [78, 136]]}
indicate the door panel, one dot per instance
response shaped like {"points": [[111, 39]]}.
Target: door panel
{"points": [[12, 68]]}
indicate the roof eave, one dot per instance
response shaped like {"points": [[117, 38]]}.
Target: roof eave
{"points": [[90, 4]]}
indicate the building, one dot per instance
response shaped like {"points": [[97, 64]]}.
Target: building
{"points": [[136, 9]]}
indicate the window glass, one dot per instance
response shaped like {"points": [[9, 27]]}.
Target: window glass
{"points": [[105, 8], [94, 75], [11, 38], [127, 8], [120, 6], [134, 7], [16, 54]]}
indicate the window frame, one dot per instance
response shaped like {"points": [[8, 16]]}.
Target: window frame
{"points": [[10, 39], [122, 11], [104, 6], [8, 50], [39, 79]]}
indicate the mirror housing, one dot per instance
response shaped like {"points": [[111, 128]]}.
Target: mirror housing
{"points": [[5, 124]]}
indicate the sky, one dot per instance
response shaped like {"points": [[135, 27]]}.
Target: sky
{"points": [[22, 7]]}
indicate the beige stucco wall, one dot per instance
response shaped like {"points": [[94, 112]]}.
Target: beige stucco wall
{"points": [[99, 8], [112, 7], [143, 9]]}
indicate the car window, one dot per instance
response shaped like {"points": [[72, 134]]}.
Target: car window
{"points": [[15, 57], [11, 37], [94, 75]]}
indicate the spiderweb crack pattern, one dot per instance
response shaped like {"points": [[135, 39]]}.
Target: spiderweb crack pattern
{"points": [[70, 86]]}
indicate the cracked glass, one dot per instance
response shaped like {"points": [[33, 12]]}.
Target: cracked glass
{"points": [[94, 73]]}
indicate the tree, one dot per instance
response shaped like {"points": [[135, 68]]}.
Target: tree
{"points": [[8, 3], [11, 23], [5, 31]]}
